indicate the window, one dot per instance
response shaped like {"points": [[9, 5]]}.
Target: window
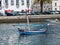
{"points": [[17, 3], [6, 3], [44, 6], [55, 9], [49, 9], [0, 3], [55, 4], [22, 2], [12, 2], [28, 3]]}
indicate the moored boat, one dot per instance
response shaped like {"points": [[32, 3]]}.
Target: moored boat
{"points": [[41, 31], [34, 29], [53, 21], [37, 30]]}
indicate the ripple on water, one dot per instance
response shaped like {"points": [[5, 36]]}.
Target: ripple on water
{"points": [[9, 36]]}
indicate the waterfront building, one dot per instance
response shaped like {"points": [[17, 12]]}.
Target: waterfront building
{"points": [[56, 5], [16, 5], [46, 7]]}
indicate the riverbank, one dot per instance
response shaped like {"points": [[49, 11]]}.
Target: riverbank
{"points": [[22, 19]]}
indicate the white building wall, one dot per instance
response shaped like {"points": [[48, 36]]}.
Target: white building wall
{"points": [[2, 7], [47, 7], [13, 7], [57, 5], [22, 7]]}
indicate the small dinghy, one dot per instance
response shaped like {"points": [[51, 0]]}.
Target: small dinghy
{"points": [[53, 21], [41, 31]]}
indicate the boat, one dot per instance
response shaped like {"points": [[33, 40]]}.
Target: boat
{"points": [[38, 29], [41, 31], [29, 31], [53, 20]]}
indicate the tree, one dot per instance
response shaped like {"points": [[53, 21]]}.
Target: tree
{"points": [[41, 3]]}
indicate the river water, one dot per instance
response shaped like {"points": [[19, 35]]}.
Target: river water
{"points": [[9, 36]]}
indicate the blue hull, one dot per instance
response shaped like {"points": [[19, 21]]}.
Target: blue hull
{"points": [[30, 33]]}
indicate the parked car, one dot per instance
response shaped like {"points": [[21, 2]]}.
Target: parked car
{"points": [[31, 13], [1, 14], [21, 13], [13, 13], [25, 13], [46, 12], [36, 13], [8, 12], [54, 12]]}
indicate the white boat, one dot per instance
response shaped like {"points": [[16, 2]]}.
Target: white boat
{"points": [[53, 21]]}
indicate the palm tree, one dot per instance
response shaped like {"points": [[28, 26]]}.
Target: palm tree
{"points": [[41, 3]]}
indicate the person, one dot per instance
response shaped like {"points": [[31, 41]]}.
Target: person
{"points": [[20, 30]]}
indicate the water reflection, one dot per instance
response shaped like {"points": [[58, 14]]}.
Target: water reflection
{"points": [[33, 39]]}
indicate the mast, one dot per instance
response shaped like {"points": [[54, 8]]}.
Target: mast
{"points": [[27, 15], [28, 23]]}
